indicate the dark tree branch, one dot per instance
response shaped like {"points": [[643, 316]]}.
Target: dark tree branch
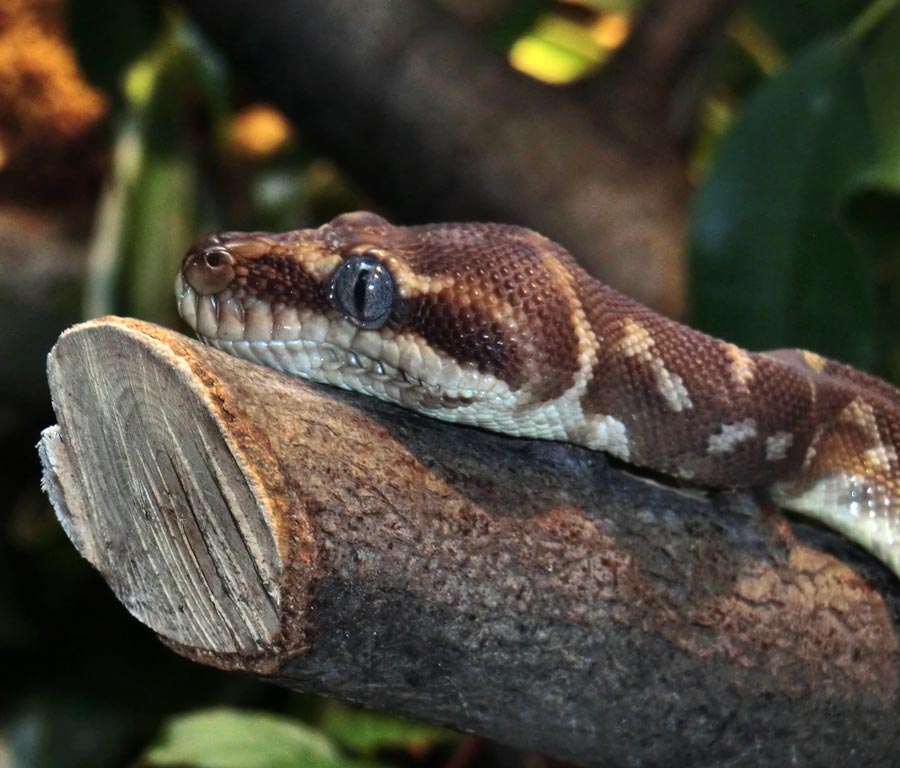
{"points": [[656, 80], [476, 12], [438, 128], [522, 590]]}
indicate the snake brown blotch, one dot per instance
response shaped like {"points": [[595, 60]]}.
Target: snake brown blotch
{"points": [[498, 327]]}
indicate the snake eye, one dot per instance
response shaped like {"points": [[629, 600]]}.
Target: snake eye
{"points": [[362, 288]]}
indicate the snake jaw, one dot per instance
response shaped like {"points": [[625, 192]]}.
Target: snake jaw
{"points": [[495, 326], [331, 350], [185, 302], [450, 347]]}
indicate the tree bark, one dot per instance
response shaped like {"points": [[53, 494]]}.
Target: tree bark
{"points": [[523, 590], [436, 127]]}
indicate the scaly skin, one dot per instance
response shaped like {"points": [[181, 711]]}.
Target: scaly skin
{"points": [[498, 327]]}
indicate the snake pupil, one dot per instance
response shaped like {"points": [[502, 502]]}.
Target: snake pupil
{"points": [[362, 289]]}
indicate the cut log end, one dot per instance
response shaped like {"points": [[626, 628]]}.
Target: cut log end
{"points": [[155, 498]]}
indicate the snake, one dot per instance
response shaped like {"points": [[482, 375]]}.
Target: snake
{"points": [[496, 326]]}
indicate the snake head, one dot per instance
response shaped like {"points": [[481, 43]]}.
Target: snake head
{"points": [[471, 322]]}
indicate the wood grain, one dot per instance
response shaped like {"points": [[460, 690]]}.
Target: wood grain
{"points": [[522, 590]]}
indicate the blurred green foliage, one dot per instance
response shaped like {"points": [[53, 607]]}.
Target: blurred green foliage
{"points": [[794, 241], [175, 174], [366, 733], [344, 738], [230, 739], [795, 231], [150, 207]]}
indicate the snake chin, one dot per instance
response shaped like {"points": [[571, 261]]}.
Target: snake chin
{"points": [[326, 363], [333, 351]]}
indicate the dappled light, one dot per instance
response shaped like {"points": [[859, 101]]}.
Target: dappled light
{"points": [[731, 165]]}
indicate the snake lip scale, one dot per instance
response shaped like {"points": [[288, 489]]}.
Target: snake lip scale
{"points": [[498, 327]]}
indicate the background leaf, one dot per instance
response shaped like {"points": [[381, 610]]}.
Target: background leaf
{"points": [[871, 203], [793, 24], [150, 209], [772, 263], [365, 732], [223, 738]]}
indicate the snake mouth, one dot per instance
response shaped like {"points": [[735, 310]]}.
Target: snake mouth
{"points": [[329, 350], [232, 316]]}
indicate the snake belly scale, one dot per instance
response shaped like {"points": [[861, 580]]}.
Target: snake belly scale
{"points": [[498, 327]]}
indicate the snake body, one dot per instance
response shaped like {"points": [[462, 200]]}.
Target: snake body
{"points": [[498, 327]]}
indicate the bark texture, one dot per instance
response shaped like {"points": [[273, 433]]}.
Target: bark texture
{"points": [[523, 590], [437, 127]]}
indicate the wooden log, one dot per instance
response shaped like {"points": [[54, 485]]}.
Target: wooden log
{"points": [[523, 590]]}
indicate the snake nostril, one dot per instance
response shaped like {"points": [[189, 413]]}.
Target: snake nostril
{"points": [[208, 270]]}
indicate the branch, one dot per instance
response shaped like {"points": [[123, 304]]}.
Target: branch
{"points": [[476, 12], [657, 79], [519, 589], [438, 128]]}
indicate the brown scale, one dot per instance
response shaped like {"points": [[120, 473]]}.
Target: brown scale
{"points": [[504, 314], [253, 265], [775, 399], [277, 279], [842, 441], [509, 321], [839, 442], [509, 302], [863, 381]]}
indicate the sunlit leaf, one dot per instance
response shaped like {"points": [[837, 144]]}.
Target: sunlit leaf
{"points": [[556, 50], [223, 738], [258, 132], [613, 6], [758, 44]]}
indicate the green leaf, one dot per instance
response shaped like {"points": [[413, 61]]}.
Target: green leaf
{"points": [[164, 223], [873, 196], [148, 214], [772, 263], [222, 738], [871, 203], [365, 732], [794, 24]]}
